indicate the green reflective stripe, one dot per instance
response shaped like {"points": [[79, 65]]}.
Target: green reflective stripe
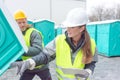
{"points": [[40, 66], [63, 56], [25, 57]]}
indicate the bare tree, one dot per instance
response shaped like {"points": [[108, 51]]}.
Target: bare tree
{"points": [[117, 11], [108, 14], [101, 13], [97, 14], [93, 18]]}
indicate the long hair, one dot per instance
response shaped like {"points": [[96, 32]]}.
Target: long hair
{"points": [[87, 52]]}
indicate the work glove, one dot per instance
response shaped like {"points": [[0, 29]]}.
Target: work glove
{"points": [[85, 74], [22, 66]]}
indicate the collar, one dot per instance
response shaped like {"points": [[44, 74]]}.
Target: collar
{"points": [[72, 46]]}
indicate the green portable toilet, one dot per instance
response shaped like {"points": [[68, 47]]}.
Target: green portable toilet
{"points": [[92, 30], [12, 45], [47, 29], [108, 38]]}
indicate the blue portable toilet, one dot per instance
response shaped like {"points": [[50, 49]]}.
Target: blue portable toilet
{"points": [[107, 36], [92, 30], [47, 29], [12, 45], [30, 22], [58, 30]]}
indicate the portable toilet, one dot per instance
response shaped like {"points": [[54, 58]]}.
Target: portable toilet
{"points": [[92, 30], [107, 36], [46, 27], [12, 45], [58, 30], [30, 22]]}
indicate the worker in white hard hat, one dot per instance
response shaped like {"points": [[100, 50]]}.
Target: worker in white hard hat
{"points": [[75, 51], [34, 42]]}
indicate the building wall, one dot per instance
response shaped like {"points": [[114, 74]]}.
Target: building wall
{"points": [[54, 10]]}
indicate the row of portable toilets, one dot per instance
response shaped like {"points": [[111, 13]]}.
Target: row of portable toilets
{"points": [[107, 36], [105, 33], [12, 46]]}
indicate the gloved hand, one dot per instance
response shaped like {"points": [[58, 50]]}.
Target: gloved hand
{"points": [[21, 66], [84, 75]]}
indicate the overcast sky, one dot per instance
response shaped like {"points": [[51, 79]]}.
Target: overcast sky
{"points": [[106, 3], [99, 2]]}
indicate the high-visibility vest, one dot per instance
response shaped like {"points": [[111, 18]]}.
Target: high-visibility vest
{"points": [[27, 41], [63, 58]]}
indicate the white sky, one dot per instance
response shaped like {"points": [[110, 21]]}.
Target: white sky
{"points": [[99, 2], [106, 3]]}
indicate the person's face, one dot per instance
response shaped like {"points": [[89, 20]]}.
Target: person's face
{"points": [[74, 31], [22, 24]]}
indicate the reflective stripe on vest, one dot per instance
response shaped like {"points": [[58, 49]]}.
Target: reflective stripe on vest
{"points": [[27, 40], [63, 58]]}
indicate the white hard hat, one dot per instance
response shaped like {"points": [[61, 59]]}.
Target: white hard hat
{"points": [[76, 17]]}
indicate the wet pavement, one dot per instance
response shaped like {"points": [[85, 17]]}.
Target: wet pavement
{"points": [[106, 69]]}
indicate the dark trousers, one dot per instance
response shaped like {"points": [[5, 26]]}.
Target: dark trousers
{"points": [[43, 74]]}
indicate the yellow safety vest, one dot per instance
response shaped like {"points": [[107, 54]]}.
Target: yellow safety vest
{"points": [[63, 58], [27, 40]]}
